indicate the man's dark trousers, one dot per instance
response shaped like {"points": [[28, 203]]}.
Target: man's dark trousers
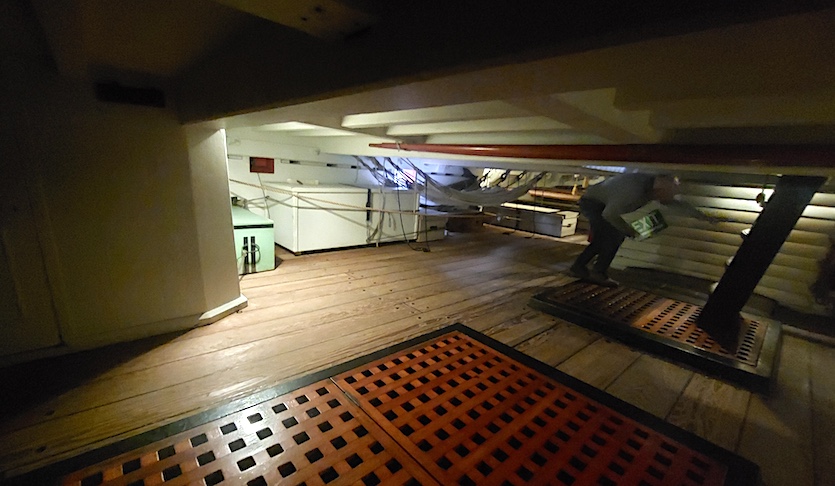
{"points": [[605, 238]]}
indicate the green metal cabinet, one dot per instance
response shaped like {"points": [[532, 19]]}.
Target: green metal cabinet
{"points": [[254, 241]]}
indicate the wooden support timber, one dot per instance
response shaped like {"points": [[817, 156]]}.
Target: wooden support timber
{"points": [[720, 316]]}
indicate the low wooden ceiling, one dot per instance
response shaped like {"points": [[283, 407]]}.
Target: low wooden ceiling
{"points": [[340, 74]]}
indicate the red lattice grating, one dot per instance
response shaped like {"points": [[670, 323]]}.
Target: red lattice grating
{"points": [[471, 415], [660, 316], [312, 436]]}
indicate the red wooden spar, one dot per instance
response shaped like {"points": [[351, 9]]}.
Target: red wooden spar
{"points": [[736, 155]]}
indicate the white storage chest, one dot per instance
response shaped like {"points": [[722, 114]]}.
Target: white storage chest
{"points": [[319, 217], [536, 219]]}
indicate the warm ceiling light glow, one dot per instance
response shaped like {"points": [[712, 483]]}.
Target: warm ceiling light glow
{"points": [[286, 126], [329, 132], [302, 129]]}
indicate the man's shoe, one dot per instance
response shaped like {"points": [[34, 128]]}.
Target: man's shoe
{"points": [[578, 272], [602, 279]]}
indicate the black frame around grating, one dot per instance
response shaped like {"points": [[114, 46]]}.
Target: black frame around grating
{"points": [[741, 471], [759, 378]]}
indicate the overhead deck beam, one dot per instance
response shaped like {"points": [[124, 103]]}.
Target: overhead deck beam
{"points": [[594, 112], [508, 124], [486, 110], [753, 156]]}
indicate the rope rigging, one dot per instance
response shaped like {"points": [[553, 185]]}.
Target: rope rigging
{"points": [[474, 195]]}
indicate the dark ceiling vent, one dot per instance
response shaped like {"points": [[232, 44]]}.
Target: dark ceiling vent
{"points": [[116, 93]]}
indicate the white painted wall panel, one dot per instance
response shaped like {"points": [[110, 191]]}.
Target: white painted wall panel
{"points": [[699, 249]]}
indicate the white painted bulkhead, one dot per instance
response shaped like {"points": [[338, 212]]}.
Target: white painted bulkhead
{"points": [[121, 220]]}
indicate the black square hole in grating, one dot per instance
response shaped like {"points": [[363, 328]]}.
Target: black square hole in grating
{"points": [[354, 460], [339, 442], [214, 478], [236, 445], [93, 480], [376, 448], [259, 481], [199, 440], [329, 475], [275, 450], [166, 452], [314, 455], [371, 479], [131, 466], [205, 458], [286, 469], [171, 472], [246, 463]]}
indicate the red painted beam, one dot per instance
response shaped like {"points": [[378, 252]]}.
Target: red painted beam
{"points": [[738, 155]]}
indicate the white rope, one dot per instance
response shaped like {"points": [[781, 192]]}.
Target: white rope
{"points": [[347, 207]]}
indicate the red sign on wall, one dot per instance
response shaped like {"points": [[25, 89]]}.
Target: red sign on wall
{"points": [[262, 165]]}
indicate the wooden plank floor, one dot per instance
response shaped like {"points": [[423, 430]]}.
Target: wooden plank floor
{"points": [[318, 310]]}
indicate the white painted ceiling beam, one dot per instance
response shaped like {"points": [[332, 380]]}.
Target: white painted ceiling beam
{"points": [[306, 130], [517, 124], [578, 118], [468, 111], [551, 137], [600, 104]]}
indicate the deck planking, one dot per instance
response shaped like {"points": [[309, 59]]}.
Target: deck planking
{"points": [[711, 409], [651, 384], [822, 380], [315, 311], [599, 363], [558, 343], [777, 433]]}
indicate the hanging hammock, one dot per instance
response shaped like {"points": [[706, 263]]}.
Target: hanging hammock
{"points": [[444, 195]]}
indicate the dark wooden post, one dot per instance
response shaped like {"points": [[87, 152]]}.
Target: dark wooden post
{"points": [[720, 316]]}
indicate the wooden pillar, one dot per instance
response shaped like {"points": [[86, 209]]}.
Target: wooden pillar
{"points": [[720, 316]]}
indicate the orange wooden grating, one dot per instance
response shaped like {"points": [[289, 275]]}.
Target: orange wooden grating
{"points": [[449, 408], [312, 436], [667, 318], [471, 415]]}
